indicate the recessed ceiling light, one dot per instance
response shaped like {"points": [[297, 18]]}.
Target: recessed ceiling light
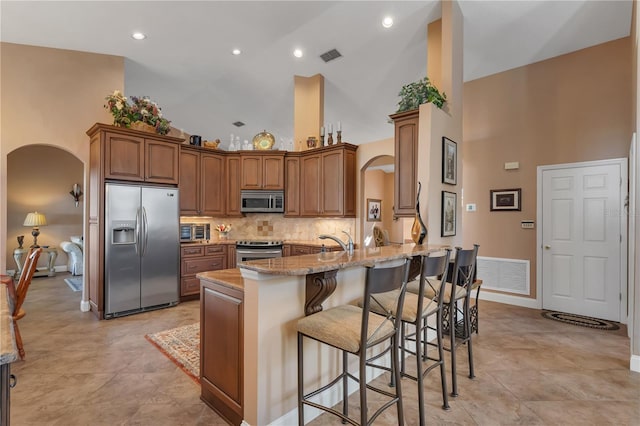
{"points": [[138, 36], [297, 53], [387, 22], [236, 52]]}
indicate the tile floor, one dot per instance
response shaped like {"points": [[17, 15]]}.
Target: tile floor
{"points": [[530, 370]]}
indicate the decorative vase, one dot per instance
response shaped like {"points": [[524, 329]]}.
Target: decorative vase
{"points": [[20, 239], [223, 235], [418, 229]]}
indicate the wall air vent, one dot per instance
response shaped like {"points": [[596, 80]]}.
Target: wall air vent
{"points": [[330, 55], [238, 124]]}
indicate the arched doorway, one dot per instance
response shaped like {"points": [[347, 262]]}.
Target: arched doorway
{"points": [[39, 178], [377, 177]]}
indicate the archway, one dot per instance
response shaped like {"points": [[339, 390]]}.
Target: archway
{"points": [[376, 178]]}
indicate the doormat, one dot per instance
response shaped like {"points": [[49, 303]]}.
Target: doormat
{"points": [[74, 283], [581, 320], [182, 346]]}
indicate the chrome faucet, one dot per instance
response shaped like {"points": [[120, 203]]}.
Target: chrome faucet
{"points": [[348, 247]]}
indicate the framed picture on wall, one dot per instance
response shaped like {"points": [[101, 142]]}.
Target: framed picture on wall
{"points": [[448, 218], [374, 210], [506, 199], [449, 161]]}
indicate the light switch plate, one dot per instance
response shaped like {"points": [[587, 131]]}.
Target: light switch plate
{"points": [[527, 224], [471, 207], [512, 165]]}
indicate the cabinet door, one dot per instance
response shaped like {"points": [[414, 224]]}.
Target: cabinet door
{"points": [[349, 186], [124, 157], [299, 250], [161, 162], [251, 172], [222, 337], [233, 186], [292, 191], [332, 183], [272, 172], [212, 185], [310, 177], [406, 154], [189, 183], [231, 256]]}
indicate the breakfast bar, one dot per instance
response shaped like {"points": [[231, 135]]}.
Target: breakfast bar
{"points": [[261, 301]]}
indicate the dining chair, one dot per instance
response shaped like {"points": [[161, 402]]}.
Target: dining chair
{"points": [[355, 330], [18, 293]]}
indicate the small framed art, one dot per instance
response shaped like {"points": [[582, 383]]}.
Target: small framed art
{"points": [[374, 210], [506, 199], [449, 161], [448, 227]]}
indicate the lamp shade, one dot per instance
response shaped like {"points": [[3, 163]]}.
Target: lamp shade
{"points": [[35, 219]]}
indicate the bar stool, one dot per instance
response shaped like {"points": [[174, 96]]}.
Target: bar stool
{"points": [[355, 330], [416, 312], [463, 277]]}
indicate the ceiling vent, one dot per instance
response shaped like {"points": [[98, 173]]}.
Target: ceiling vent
{"points": [[330, 55], [238, 124]]}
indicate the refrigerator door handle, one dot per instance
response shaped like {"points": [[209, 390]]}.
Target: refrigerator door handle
{"points": [[145, 230], [136, 245]]}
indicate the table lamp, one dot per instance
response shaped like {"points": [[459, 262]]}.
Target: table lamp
{"points": [[36, 220]]}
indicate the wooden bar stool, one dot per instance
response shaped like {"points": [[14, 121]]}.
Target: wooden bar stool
{"points": [[354, 330]]}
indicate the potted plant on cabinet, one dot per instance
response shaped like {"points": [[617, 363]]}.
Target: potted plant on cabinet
{"points": [[420, 92], [142, 114]]}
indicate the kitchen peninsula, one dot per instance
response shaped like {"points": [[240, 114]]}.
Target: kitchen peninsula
{"points": [[248, 325]]}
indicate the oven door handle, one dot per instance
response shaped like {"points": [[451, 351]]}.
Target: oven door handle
{"points": [[244, 251]]}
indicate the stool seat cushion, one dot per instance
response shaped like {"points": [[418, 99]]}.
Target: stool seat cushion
{"points": [[387, 302], [414, 287], [341, 326]]}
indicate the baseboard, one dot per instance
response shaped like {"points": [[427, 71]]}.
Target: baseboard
{"points": [[85, 306], [525, 302], [634, 365]]}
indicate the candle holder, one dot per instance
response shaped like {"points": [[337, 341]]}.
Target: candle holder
{"points": [[330, 139], [339, 136], [321, 140]]}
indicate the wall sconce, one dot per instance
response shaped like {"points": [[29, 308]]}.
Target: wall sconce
{"points": [[76, 193]]}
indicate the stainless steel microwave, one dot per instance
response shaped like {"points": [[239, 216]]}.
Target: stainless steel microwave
{"points": [[194, 232], [262, 201]]}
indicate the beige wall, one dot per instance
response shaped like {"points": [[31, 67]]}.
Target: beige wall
{"points": [[308, 110], [39, 178], [373, 189], [567, 109], [50, 97]]}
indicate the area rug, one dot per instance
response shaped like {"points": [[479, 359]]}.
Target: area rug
{"points": [[75, 283], [581, 320], [182, 346]]}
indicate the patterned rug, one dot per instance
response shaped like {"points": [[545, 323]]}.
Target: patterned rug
{"points": [[182, 346], [581, 320]]}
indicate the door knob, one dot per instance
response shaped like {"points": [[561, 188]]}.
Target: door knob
{"points": [[547, 247]]}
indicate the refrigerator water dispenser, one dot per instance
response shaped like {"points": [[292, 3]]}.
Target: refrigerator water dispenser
{"points": [[123, 232]]}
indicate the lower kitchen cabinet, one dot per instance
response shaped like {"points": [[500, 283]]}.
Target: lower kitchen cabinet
{"points": [[221, 349], [195, 259], [300, 249]]}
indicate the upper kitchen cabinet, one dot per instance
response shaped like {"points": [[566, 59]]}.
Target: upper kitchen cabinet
{"points": [[233, 174], [292, 184], [262, 170], [202, 180], [406, 163], [328, 181], [132, 155]]}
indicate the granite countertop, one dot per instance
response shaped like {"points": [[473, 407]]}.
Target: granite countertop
{"points": [[315, 243], [227, 277], [313, 263], [8, 350]]}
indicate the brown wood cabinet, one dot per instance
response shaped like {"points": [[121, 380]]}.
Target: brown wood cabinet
{"points": [[141, 158], [292, 184], [197, 258], [222, 349], [233, 170], [300, 249], [202, 183], [262, 170], [120, 154], [406, 162], [328, 181]]}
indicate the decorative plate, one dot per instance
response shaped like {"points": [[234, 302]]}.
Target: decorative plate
{"points": [[263, 140]]}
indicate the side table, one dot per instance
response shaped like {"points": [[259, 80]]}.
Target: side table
{"points": [[50, 270]]}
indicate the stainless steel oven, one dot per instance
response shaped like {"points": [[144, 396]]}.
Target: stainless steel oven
{"points": [[253, 250]]}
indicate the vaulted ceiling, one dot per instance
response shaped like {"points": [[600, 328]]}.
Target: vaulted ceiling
{"points": [[185, 63]]}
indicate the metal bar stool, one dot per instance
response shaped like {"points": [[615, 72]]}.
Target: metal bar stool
{"points": [[354, 330], [416, 312]]}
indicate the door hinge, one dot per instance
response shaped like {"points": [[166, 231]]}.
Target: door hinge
{"points": [[620, 294]]}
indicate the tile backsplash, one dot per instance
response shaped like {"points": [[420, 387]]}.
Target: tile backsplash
{"points": [[271, 225]]}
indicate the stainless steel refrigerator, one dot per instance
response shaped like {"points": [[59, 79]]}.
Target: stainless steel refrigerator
{"points": [[142, 248]]}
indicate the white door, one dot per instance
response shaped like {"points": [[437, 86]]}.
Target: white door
{"points": [[582, 239]]}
